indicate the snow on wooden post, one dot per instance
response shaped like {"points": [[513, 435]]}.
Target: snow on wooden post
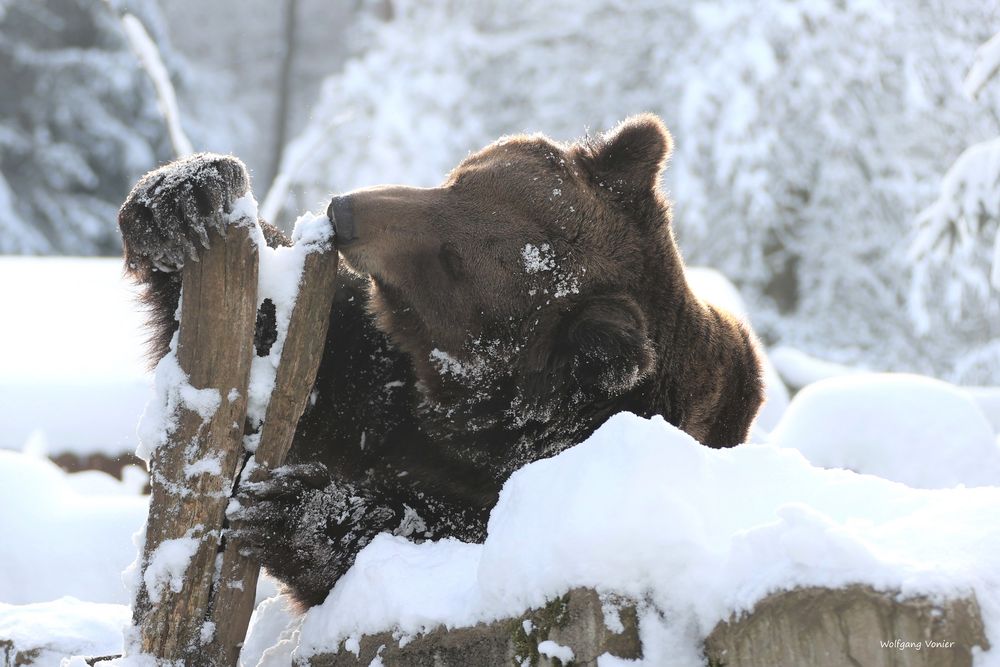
{"points": [[299, 356], [191, 468]]}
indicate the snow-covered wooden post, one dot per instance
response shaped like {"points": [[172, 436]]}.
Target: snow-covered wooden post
{"points": [[299, 350], [204, 387], [195, 593]]}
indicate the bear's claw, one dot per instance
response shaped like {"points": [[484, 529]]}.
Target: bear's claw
{"points": [[287, 480]]}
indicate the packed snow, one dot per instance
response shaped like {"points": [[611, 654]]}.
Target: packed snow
{"points": [[172, 391], [638, 509], [551, 649], [168, 564]]}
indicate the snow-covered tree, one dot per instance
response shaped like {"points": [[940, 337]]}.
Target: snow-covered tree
{"points": [[956, 247], [824, 128], [960, 232], [439, 79], [79, 122]]}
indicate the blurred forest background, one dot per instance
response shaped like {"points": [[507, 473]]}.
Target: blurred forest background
{"points": [[838, 160]]}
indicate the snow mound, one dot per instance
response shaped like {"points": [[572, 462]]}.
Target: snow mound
{"points": [[64, 627], [58, 541], [73, 370], [642, 509], [916, 430], [800, 369], [988, 399]]}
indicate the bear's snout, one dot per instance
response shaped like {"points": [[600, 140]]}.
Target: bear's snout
{"points": [[341, 216], [378, 226]]}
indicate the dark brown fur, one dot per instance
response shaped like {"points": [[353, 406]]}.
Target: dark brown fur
{"points": [[494, 320]]}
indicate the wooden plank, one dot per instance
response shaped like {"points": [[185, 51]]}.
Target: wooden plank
{"points": [[192, 470], [300, 357]]}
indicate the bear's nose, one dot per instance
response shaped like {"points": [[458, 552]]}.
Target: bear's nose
{"points": [[342, 217]]}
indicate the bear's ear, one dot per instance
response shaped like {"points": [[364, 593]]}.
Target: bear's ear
{"points": [[602, 347], [629, 158]]}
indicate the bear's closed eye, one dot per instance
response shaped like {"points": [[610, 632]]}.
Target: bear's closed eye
{"points": [[451, 261]]}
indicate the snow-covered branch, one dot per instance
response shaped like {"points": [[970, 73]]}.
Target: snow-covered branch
{"points": [[954, 233], [984, 67], [149, 57], [969, 198]]}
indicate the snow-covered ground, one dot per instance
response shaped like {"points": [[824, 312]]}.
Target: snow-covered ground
{"points": [[65, 534], [891, 480], [72, 372], [64, 627]]}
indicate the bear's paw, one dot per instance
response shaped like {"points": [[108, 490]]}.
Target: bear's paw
{"points": [[168, 215]]}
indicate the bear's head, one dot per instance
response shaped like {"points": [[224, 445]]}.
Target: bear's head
{"points": [[538, 273]]}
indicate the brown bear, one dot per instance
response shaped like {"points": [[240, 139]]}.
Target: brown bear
{"points": [[481, 325]]}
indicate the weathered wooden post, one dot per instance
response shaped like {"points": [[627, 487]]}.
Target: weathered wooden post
{"points": [[190, 471], [299, 361], [195, 592]]}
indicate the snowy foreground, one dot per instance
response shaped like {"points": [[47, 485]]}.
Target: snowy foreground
{"points": [[887, 480], [642, 509], [639, 508]]}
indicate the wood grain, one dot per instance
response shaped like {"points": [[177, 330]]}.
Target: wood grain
{"points": [[215, 347], [300, 357]]}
